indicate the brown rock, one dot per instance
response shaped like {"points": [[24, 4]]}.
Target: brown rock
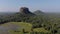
{"points": [[24, 10]]}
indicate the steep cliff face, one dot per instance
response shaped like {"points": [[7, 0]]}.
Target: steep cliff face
{"points": [[25, 10]]}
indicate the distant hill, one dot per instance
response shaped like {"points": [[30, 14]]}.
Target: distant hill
{"points": [[39, 12]]}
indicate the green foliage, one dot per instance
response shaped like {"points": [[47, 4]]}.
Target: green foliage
{"points": [[47, 23]]}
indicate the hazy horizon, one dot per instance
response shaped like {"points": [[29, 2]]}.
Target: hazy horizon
{"points": [[44, 5]]}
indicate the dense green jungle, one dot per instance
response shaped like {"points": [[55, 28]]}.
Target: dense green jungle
{"points": [[27, 22]]}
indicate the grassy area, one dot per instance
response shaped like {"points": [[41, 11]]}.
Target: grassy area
{"points": [[24, 28], [21, 26], [40, 30]]}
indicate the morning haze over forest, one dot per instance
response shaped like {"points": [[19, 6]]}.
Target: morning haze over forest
{"points": [[29, 16]]}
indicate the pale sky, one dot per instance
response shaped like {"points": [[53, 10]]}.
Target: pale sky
{"points": [[44, 5]]}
